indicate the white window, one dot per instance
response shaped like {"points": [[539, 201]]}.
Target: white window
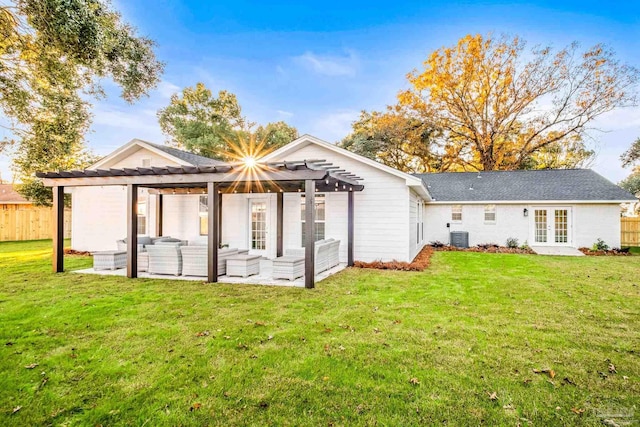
{"points": [[320, 217], [142, 217], [203, 214], [456, 213], [490, 214]]}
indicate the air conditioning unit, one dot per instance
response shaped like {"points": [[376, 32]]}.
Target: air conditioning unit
{"points": [[459, 239]]}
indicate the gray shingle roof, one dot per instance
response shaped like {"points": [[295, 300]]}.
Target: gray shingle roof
{"points": [[194, 159], [555, 184]]}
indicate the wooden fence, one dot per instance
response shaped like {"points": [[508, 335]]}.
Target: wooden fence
{"points": [[27, 222], [630, 231]]}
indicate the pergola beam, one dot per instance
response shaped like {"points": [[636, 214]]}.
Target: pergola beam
{"points": [[119, 178]]}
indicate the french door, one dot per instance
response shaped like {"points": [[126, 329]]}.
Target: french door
{"points": [[258, 224], [552, 226]]}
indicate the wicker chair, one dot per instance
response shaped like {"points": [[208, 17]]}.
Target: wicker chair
{"points": [[165, 259], [327, 254], [194, 260]]}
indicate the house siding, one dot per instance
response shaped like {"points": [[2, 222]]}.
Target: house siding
{"points": [[381, 218], [588, 223]]}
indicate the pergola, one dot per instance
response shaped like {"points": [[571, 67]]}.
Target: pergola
{"points": [[307, 176]]}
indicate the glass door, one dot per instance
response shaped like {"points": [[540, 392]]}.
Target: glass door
{"points": [[258, 226], [552, 226]]}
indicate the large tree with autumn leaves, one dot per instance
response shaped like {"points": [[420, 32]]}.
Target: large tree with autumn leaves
{"points": [[491, 103]]}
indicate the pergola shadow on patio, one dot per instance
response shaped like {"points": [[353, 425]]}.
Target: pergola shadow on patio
{"points": [[307, 176]]}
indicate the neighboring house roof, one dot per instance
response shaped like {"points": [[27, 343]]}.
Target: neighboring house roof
{"points": [[9, 196], [178, 156], [412, 181], [576, 185]]}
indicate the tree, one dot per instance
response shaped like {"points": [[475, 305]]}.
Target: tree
{"points": [[199, 122], [396, 139], [214, 127], [52, 54], [632, 155], [629, 158], [498, 106]]}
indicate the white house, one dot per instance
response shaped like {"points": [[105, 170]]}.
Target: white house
{"points": [[395, 214]]}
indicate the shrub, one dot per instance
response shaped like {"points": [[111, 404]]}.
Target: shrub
{"points": [[600, 245], [525, 245], [437, 244], [512, 242], [488, 245]]}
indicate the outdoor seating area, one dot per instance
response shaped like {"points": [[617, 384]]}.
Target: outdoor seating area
{"points": [[168, 256]]}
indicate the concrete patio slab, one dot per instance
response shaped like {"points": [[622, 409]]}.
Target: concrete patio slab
{"points": [[556, 250], [263, 278]]}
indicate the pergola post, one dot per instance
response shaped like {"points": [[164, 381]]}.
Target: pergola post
{"points": [[350, 230], [159, 213], [132, 231], [212, 235], [219, 220], [310, 233], [279, 222], [58, 229]]}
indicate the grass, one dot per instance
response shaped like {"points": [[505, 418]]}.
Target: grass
{"points": [[112, 351]]}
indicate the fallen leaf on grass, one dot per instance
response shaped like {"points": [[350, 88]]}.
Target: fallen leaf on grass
{"points": [[527, 380], [327, 330], [578, 411], [376, 330], [568, 381], [195, 407], [203, 334], [33, 365], [73, 356], [325, 378], [414, 381], [270, 337], [397, 322], [9, 344], [612, 369], [624, 377], [550, 372], [493, 395], [508, 407], [16, 409], [259, 324]]}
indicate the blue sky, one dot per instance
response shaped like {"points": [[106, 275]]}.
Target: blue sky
{"points": [[316, 65]]}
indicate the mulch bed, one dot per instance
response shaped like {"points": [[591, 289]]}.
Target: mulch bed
{"points": [[419, 263], [491, 249], [69, 251], [609, 252]]}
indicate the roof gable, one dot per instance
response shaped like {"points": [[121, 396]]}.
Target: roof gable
{"points": [[305, 140], [173, 155], [577, 185]]}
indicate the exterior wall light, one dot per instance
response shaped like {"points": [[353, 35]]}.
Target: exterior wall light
{"points": [[525, 212]]}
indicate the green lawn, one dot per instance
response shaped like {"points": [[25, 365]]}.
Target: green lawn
{"points": [[112, 351]]}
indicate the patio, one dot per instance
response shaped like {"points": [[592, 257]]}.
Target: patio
{"points": [[306, 177], [263, 278]]}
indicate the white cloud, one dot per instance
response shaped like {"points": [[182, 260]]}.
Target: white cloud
{"points": [[622, 118], [284, 114], [333, 126], [329, 65], [165, 89]]}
